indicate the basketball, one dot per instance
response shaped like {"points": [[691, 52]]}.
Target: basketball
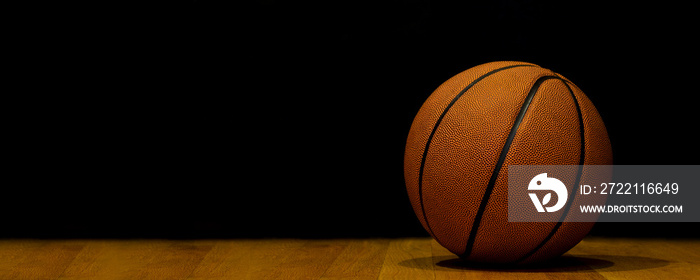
{"points": [[467, 133]]}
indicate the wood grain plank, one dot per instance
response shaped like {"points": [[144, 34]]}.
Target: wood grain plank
{"points": [[13, 252], [139, 259], [361, 259], [84, 264], [226, 259], [42, 259], [409, 258], [244, 259], [637, 258], [309, 261]]}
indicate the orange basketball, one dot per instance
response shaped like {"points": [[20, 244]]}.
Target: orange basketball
{"points": [[466, 135]]}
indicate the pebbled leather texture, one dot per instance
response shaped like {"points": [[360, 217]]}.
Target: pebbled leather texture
{"points": [[465, 131]]}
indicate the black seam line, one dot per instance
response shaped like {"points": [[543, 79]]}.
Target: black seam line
{"points": [[572, 195], [432, 133], [499, 163]]}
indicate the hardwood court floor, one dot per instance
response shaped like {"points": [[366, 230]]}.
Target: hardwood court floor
{"points": [[409, 258]]}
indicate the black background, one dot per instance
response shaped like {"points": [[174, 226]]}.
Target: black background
{"points": [[289, 119]]}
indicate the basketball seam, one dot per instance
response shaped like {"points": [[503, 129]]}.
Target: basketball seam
{"points": [[499, 164], [572, 196], [432, 133]]}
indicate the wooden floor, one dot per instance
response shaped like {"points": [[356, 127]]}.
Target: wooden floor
{"points": [[413, 258]]}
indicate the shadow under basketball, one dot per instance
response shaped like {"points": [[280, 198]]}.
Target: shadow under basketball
{"points": [[566, 263]]}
